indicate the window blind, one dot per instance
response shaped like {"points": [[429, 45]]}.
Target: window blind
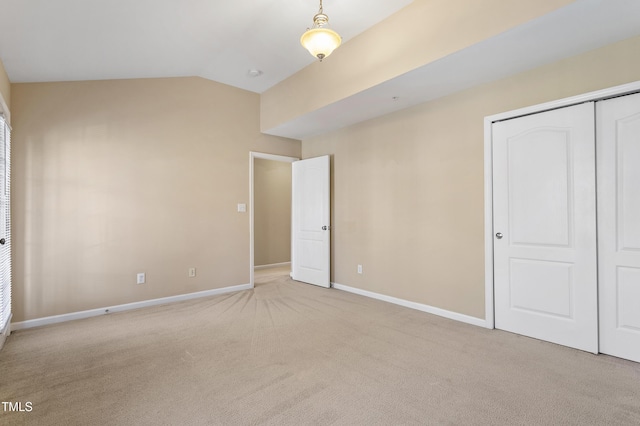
{"points": [[5, 227]]}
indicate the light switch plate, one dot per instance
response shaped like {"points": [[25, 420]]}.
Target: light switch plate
{"points": [[242, 208]]}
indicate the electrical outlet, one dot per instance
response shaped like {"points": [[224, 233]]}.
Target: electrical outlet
{"points": [[359, 269], [141, 278], [192, 272]]}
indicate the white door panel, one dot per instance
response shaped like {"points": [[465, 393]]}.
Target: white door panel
{"points": [[539, 188], [618, 132], [541, 287], [310, 260], [544, 207]]}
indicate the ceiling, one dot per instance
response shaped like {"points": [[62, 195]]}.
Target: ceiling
{"points": [[582, 26], [221, 40], [69, 40]]}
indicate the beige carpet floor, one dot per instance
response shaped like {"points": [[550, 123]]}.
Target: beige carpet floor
{"points": [[288, 353]]}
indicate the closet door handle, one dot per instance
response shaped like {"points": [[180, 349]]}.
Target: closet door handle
{"points": [[499, 235]]}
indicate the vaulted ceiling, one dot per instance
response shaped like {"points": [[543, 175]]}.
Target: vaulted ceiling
{"points": [[221, 40]]}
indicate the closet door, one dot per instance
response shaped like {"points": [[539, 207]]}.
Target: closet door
{"points": [[545, 276], [618, 133]]}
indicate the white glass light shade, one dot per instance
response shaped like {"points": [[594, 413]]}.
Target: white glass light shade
{"points": [[320, 42]]}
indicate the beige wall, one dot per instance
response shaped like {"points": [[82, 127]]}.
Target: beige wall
{"points": [[421, 33], [5, 87], [408, 187], [272, 210], [111, 178]]}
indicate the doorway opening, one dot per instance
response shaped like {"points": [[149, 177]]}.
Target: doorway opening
{"points": [[268, 208]]}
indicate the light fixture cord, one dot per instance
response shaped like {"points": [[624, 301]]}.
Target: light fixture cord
{"points": [[320, 11]]}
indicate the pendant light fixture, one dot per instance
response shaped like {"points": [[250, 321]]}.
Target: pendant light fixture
{"points": [[319, 40]]}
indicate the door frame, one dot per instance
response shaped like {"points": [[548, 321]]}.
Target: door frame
{"points": [[252, 156], [624, 89]]}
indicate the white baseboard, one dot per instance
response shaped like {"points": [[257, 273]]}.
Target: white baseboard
{"points": [[413, 305], [126, 307], [273, 265]]}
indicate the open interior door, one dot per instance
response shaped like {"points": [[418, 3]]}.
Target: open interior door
{"points": [[310, 235]]}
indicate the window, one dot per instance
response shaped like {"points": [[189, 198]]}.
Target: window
{"points": [[5, 228]]}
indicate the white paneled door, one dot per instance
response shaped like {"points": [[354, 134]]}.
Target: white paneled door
{"points": [[310, 259], [545, 259], [618, 135]]}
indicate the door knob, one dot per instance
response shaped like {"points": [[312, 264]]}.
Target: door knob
{"points": [[499, 235], [2, 241], [325, 227]]}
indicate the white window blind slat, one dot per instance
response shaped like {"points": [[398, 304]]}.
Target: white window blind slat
{"points": [[5, 225]]}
